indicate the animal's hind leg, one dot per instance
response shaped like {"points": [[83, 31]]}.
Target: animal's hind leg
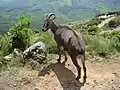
{"points": [[65, 54], [74, 60], [60, 52], [84, 67]]}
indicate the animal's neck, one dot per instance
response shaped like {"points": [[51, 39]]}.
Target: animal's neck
{"points": [[54, 27]]}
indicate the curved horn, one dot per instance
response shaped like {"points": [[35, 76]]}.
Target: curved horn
{"points": [[51, 14]]}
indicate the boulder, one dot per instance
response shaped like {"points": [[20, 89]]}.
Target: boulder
{"points": [[35, 51]]}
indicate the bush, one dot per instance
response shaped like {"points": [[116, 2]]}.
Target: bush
{"points": [[114, 23], [101, 14], [5, 44], [1, 61], [101, 46], [114, 37], [93, 30], [20, 32], [47, 38], [94, 21], [113, 12], [90, 30], [109, 13]]}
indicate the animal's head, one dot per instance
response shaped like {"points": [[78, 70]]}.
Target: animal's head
{"points": [[48, 21]]}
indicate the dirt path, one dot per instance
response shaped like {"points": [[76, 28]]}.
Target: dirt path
{"points": [[105, 21], [102, 75]]}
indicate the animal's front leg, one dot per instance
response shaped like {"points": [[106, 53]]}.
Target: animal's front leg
{"points": [[65, 54], [60, 53]]}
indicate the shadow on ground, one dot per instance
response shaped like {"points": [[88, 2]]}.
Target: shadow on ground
{"points": [[65, 76]]}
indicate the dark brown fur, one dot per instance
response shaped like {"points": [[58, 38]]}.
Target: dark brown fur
{"points": [[69, 40]]}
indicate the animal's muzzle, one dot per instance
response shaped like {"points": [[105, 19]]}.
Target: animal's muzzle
{"points": [[44, 30]]}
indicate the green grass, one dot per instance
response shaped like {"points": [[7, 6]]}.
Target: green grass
{"points": [[98, 45], [5, 44], [47, 38]]}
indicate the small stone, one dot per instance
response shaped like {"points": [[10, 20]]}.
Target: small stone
{"points": [[95, 81], [14, 85], [25, 81], [112, 80], [87, 83], [36, 89], [114, 73]]}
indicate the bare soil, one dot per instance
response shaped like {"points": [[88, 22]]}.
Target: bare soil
{"points": [[102, 74]]}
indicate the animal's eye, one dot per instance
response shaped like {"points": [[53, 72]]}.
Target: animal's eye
{"points": [[48, 22]]}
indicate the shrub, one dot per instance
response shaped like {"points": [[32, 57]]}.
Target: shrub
{"points": [[101, 14], [94, 21], [90, 30], [101, 46], [114, 23], [113, 12], [5, 44], [20, 32], [114, 37], [93, 30], [5, 49], [1, 60], [47, 38]]}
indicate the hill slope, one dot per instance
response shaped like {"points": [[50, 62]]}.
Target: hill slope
{"points": [[67, 10]]}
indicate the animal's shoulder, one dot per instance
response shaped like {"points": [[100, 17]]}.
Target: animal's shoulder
{"points": [[64, 29]]}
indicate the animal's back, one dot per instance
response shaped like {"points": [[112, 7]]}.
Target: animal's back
{"points": [[70, 39]]}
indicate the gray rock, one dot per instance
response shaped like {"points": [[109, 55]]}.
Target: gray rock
{"points": [[37, 50]]}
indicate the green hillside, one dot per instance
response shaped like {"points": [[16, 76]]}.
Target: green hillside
{"points": [[66, 10]]}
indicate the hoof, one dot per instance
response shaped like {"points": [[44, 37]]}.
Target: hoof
{"points": [[77, 78], [66, 59], [59, 60], [84, 78]]}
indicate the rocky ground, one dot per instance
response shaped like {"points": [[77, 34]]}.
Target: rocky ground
{"points": [[102, 74]]}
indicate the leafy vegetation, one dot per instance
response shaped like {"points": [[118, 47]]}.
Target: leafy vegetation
{"points": [[66, 10], [20, 32], [101, 46], [93, 30], [5, 44], [109, 13], [94, 21], [90, 27], [114, 23], [47, 38], [114, 36], [96, 44]]}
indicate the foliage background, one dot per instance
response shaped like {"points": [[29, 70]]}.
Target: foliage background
{"points": [[66, 10]]}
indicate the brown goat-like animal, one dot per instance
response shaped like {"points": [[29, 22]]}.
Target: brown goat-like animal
{"points": [[67, 39]]}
